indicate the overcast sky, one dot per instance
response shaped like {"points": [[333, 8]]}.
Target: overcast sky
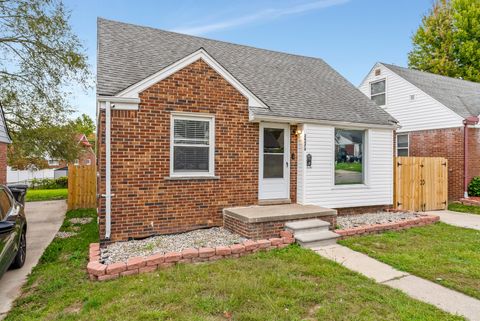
{"points": [[350, 35]]}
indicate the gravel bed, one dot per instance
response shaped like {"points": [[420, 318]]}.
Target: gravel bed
{"points": [[349, 221], [80, 220], [212, 237], [64, 235]]}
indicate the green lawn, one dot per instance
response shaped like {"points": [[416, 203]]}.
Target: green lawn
{"points": [[457, 207], [287, 284], [442, 253], [353, 167], [46, 194]]}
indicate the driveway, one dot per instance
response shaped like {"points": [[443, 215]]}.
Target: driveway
{"points": [[43, 219], [459, 219]]}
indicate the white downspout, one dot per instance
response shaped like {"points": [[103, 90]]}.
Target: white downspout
{"points": [[108, 195]]}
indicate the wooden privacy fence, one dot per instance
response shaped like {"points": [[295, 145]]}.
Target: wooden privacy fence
{"points": [[421, 183], [82, 192]]}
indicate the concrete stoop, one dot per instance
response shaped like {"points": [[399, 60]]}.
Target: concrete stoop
{"points": [[312, 233]]}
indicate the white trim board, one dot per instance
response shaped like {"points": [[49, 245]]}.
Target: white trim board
{"points": [[135, 89]]}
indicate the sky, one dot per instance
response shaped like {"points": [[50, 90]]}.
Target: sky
{"points": [[350, 35]]}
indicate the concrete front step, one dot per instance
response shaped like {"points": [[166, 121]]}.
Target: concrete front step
{"points": [[305, 226], [314, 239]]}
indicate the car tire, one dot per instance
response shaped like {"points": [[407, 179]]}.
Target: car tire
{"points": [[19, 259]]}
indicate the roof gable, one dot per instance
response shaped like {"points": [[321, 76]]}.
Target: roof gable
{"points": [[289, 85], [135, 89], [460, 96]]}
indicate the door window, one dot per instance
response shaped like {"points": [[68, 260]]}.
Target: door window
{"points": [[273, 152], [5, 204]]}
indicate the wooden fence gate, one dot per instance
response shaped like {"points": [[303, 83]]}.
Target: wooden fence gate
{"points": [[82, 192], [421, 183]]}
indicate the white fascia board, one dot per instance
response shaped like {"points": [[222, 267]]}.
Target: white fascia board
{"points": [[135, 89], [294, 120], [119, 103]]}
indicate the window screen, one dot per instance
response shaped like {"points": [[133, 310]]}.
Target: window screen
{"points": [[191, 145]]}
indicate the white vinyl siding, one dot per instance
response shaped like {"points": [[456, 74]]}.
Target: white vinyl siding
{"points": [[318, 181], [420, 113]]}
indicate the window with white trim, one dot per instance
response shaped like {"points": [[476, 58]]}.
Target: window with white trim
{"points": [[53, 162], [76, 162], [377, 92], [402, 144], [88, 161], [349, 156], [192, 146]]}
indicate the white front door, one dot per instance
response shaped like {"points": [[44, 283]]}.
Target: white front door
{"points": [[274, 180]]}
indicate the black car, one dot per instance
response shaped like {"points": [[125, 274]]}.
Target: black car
{"points": [[13, 227]]}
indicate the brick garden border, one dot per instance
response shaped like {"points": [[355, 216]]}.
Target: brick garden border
{"points": [[135, 265], [472, 200], [378, 228]]}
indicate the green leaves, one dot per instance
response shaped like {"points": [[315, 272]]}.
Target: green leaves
{"points": [[448, 40], [41, 62]]}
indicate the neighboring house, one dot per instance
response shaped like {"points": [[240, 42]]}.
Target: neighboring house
{"points": [[188, 126], [438, 116], [87, 156], [5, 139]]}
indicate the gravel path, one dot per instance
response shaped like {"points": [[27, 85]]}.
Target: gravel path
{"points": [[211, 237], [349, 221]]}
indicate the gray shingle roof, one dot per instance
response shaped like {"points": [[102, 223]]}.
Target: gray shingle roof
{"points": [[461, 96], [290, 85]]}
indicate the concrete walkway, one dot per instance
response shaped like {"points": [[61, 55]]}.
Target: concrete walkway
{"points": [[43, 219], [459, 219], [448, 300]]}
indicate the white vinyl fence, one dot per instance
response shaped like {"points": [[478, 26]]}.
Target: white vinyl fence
{"points": [[25, 176]]}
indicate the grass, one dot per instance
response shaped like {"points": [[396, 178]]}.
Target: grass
{"points": [[457, 207], [353, 167], [441, 253], [287, 284], [46, 194]]}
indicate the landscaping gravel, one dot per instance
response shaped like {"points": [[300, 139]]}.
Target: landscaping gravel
{"points": [[80, 220], [64, 235], [349, 221], [212, 237]]}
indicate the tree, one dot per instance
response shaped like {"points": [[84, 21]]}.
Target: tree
{"points": [[448, 40], [84, 125], [62, 143], [41, 60]]}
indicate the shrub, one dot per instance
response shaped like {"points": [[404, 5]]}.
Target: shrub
{"points": [[62, 182], [474, 187], [49, 183]]}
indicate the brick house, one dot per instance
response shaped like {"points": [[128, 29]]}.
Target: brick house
{"points": [[5, 140], [438, 116], [87, 155], [189, 127]]}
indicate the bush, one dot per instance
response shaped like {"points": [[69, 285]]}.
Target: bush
{"points": [[49, 183], [474, 187]]}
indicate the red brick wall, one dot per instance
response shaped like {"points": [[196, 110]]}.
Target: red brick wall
{"points": [[448, 143], [144, 202], [3, 163]]}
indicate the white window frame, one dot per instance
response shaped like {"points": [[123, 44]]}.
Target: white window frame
{"points": [[408, 144], [365, 159], [76, 162], [88, 161], [53, 162], [384, 93], [211, 145]]}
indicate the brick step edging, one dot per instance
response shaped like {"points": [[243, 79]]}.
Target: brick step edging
{"points": [[102, 272], [377, 228]]}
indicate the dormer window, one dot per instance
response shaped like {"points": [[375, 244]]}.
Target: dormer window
{"points": [[377, 92]]}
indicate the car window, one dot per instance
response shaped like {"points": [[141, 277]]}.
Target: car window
{"points": [[5, 203]]}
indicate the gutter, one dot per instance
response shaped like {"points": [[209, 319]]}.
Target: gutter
{"points": [[469, 121]]}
